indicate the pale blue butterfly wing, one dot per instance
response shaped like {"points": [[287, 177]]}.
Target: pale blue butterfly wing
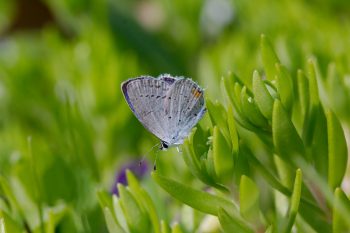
{"points": [[167, 106], [145, 96], [184, 107]]}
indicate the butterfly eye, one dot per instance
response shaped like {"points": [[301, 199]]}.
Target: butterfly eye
{"points": [[164, 145]]}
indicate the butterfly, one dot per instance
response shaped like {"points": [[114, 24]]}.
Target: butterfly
{"points": [[169, 107]]}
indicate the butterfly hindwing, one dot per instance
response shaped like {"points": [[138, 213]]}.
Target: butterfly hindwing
{"points": [[185, 105]]}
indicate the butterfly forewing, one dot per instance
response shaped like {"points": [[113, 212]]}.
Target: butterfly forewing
{"points": [[146, 97]]}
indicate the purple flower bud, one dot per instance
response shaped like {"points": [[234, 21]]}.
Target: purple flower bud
{"points": [[139, 169]]}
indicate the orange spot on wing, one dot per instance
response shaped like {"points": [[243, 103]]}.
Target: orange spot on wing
{"points": [[196, 93]]}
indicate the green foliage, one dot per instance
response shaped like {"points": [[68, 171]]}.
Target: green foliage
{"points": [[270, 156], [282, 150]]}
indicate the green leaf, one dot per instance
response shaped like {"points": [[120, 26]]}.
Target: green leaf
{"points": [[108, 208], [314, 106], [8, 225], [262, 96], [337, 151], [270, 229], [284, 84], [319, 147], [176, 228], [119, 214], [285, 171], [268, 57], [218, 117], [341, 212], [303, 90], [286, 140], [229, 83], [233, 88], [165, 227], [338, 91], [251, 111], [112, 224], [105, 199], [295, 200], [314, 96], [191, 158], [232, 130], [200, 200], [249, 199], [54, 216], [200, 141], [144, 200], [231, 224], [136, 218], [237, 96], [197, 166], [309, 210], [222, 157], [209, 164], [7, 192]]}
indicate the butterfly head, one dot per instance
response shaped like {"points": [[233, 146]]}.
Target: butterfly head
{"points": [[164, 145]]}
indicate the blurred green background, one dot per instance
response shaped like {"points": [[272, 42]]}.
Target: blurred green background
{"points": [[65, 129]]}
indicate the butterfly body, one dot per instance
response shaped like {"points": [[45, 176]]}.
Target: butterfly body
{"points": [[169, 107]]}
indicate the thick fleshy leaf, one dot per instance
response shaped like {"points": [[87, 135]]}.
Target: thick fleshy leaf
{"points": [[200, 141], [232, 224], [176, 228], [237, 96], [319, 147], [268, 57], [232, 130], [284, 84], [337, 151], [309, 210], [294, 203], [338, 89], [112, 224], [303, 91], [262, 96], [136, 218], [7, 191], [218, 117], [200, 200], [191, 158], [285, 171], [249, 199], [314, 96], [222, 157], [251, 111], [165, 228], [233, 86], [105, 199], [341, 212], [229, 85], [8, 225], [269, 229], [286, 140], [53, 217], [119, 214], [197, 164], [144, 200], [314, 107]]}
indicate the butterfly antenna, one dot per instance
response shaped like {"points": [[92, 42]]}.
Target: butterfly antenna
{"points": [[143, 157]]}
